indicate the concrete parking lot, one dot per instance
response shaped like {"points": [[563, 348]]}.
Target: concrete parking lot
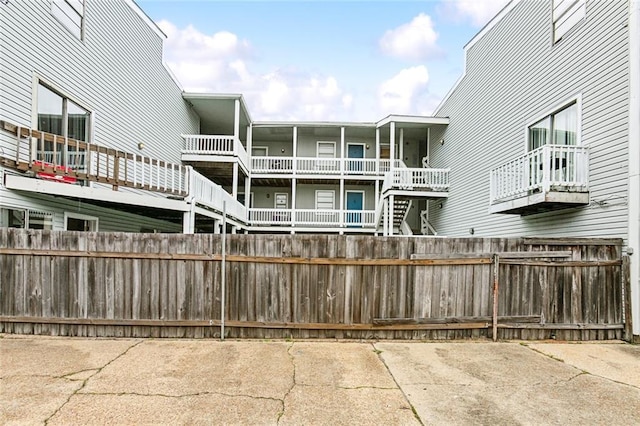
{"points": [[53, 381]]}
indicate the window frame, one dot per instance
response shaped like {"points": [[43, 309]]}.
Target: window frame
{"points": [[577, 100], [574, 6], [65, 13], [71, 215], [333, 198], [318, 143]]}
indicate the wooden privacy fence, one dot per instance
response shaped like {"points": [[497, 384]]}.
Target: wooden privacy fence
{"points": [[303, 286]]}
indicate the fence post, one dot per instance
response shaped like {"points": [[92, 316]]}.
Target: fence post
{"points": [[626, 298], [223, 269], [496, 266]]}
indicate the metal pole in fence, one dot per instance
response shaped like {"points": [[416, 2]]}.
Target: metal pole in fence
{"points": [[496, 265], [223, 268]]}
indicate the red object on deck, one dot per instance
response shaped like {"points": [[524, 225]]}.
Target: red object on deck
{"points": [[52, 176]]}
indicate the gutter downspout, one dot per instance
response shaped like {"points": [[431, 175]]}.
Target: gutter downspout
{"points": [[634, 163]]}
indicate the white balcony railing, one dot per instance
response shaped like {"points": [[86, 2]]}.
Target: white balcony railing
{"points": [[212, 195], [551, 167], [273, 165], [418, 178], [312, 218], [322, 166], [215, 145], [208, 144]]}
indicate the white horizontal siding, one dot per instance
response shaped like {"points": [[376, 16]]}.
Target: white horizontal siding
{"points": [[116, 71], [108, 219], [513, 79]]}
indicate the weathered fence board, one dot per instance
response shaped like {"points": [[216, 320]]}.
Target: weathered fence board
{"points": [[309, 286]]}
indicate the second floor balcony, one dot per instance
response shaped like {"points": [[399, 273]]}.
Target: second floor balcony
{"points": [[280, 165], [214, 149], [551, 177]]}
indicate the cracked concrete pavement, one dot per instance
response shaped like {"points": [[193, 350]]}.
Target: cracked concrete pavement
{"points": [[46, 380]]}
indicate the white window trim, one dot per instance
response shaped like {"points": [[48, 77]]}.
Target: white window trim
{"points": [[266, 150], [333, 197], [558, 107], [38, 80], [575, 6], [347, 191], [82, 15], [275, 199], [325, 142], [68, 215]]}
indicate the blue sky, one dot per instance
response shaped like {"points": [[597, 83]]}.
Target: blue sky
{"points": [[321, 60]]}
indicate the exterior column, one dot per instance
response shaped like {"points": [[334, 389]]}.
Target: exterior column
{"points": [[342, 222], [189, 221], [234, 189], [236, 120], [390, 217], [295, 150], [247, 192], [216, 226], [376, 192], [342, 153], [392, 144], [385, 221], [377, 152], [401, 145], [294, 184]]}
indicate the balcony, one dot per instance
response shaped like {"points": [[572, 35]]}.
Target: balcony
{"points": [[551, 177], [321, 166], [214, 148], [312, 218], [417, 179]]}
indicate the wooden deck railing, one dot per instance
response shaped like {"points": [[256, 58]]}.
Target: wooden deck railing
{"points": [[69, 160]]}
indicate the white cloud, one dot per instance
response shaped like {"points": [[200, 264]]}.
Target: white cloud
{"points": [[479, 12], [405, 93], [221, 63], [415, 40]]}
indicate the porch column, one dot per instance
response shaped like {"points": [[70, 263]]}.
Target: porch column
{"points": [[390, 217], [216, 226], [295, 150], [247, 192], [377, 152], [342, 203], [376, 194], [236, 120], [342, 153], [249, 146], [294, 184], [401, 145], [392, 144], [189, 220], [234, 189], [385, 212]]}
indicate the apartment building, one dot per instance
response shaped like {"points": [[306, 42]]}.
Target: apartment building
{"points": [[539, 137]]}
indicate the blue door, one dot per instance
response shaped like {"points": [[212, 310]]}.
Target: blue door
{"points": [[354, 208], [355, 151]]}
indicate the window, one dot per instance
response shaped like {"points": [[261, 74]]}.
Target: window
{"points": [[326, 149], [566, 14], [17, 218], [80, 222], [70, 13], [558, 128], [325, 200], [260, 151], [61, 116]]}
